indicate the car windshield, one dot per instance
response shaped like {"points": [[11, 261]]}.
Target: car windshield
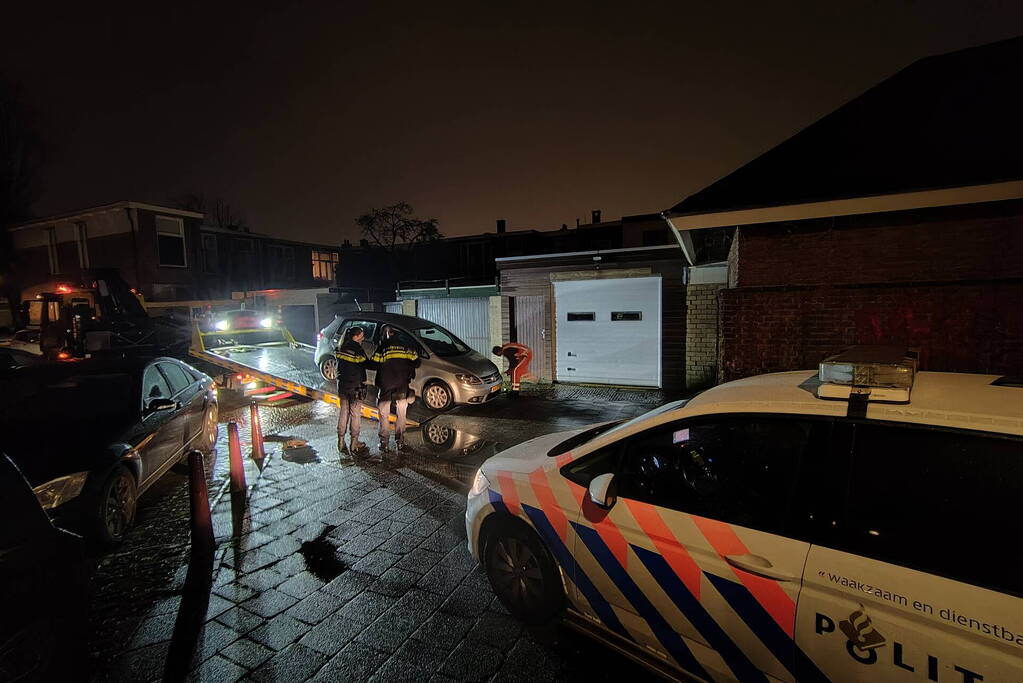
{"points": [[611, 428], [440, 341]]}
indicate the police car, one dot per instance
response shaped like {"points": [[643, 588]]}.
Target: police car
{"points": [[859, 523]]}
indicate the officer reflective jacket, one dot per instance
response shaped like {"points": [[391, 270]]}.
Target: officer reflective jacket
{"points": [[396, 366], [351, 366]]}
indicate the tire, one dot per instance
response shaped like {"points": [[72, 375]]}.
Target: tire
{"points": [[114, 509], [523, 574], [328, 368], [437, 396], [210, 429]]}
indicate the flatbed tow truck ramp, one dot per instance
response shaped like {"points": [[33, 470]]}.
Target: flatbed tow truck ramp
{"points": [[281, 362]]}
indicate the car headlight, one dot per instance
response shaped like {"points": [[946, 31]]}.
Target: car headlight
{"points": [[221, 325], [468, 379], [479, 484], [266, 322], [60, 490]]}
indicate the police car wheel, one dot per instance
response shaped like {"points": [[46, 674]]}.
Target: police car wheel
{"points": [[437, 396], [328, 368], [523, 574]]}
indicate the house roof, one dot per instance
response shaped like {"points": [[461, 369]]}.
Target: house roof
{"points": [[948, 121], [91, 211]]}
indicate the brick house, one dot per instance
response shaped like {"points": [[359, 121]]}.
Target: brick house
{"points": [[896, 219], [167, 254]]}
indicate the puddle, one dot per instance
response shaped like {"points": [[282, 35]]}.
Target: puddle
{"points": [[321, 558], [445, 454]]}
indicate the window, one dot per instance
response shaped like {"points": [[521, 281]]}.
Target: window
{"points": [[582, 316], [937, 500], [242, 257], [82, 240], [178, 379], [154, 385], [280, 262], [440, 341], [324, 264], [170, 241], [740, 470], [368, 328], [626, 315], [210, 259], [51, 250]]}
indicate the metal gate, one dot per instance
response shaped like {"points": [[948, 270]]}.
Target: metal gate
{"points": [[392, 307], [531, 330], [468, 318]]}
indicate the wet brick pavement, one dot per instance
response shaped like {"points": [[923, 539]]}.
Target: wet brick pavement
{"points": [[341, 571]]}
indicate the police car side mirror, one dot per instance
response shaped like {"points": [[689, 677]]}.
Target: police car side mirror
{"points": [[602, 491]]}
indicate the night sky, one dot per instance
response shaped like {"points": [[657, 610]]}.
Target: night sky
{"points": [[305, 115]]}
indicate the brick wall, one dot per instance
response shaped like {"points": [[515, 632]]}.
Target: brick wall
{"points": [[701, 335], [949, 282]]}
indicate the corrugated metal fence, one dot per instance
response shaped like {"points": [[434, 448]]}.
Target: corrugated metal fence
{"points": [[467, 318]]}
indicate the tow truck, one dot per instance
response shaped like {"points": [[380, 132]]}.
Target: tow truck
{"points": [[258, 351], [75, 321]]}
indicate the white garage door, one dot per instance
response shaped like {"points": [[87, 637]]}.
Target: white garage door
{"points": [[468, 318], [609, 331]]}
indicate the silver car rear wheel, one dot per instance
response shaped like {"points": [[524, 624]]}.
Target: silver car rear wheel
{"points": [[328, 368]]}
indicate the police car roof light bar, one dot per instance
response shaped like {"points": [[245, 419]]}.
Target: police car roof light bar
{"points": [[881, 373]]}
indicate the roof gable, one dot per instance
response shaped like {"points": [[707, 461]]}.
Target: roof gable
{"points": [[952, 120]]}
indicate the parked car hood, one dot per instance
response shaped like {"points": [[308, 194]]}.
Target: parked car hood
{"points": [[474, 363]]}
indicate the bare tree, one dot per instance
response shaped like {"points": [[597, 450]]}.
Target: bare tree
{"points": [[217, 211], [394, 227]]}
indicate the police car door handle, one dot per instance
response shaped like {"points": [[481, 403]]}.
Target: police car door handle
{"points": [[761, 566]]}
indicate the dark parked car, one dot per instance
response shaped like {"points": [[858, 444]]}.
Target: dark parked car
{"points": [[91, 435], [43, 589]]}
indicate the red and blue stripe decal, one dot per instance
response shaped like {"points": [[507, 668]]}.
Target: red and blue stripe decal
{"points": [[565, 558], [668, 637], [698, 616], [741, 600]]}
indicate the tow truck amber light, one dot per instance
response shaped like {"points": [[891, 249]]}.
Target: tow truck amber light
{"points": [[882, 373]]}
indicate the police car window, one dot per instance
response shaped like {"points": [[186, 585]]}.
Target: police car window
{"points": [[941, 501], [154, 385], [739, 470], [177, 378]]}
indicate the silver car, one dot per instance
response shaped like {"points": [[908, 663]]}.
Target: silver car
{"points": [[451, 373]]}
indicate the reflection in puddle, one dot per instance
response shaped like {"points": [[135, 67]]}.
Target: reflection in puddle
{"points": [[321, 558], [440, 451]]}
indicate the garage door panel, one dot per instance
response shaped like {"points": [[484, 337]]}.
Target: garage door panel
{"points": [[467, 318], [609, 331]]}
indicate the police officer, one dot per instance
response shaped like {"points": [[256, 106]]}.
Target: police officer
{"points": [[396, 363], [351, 374]]}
